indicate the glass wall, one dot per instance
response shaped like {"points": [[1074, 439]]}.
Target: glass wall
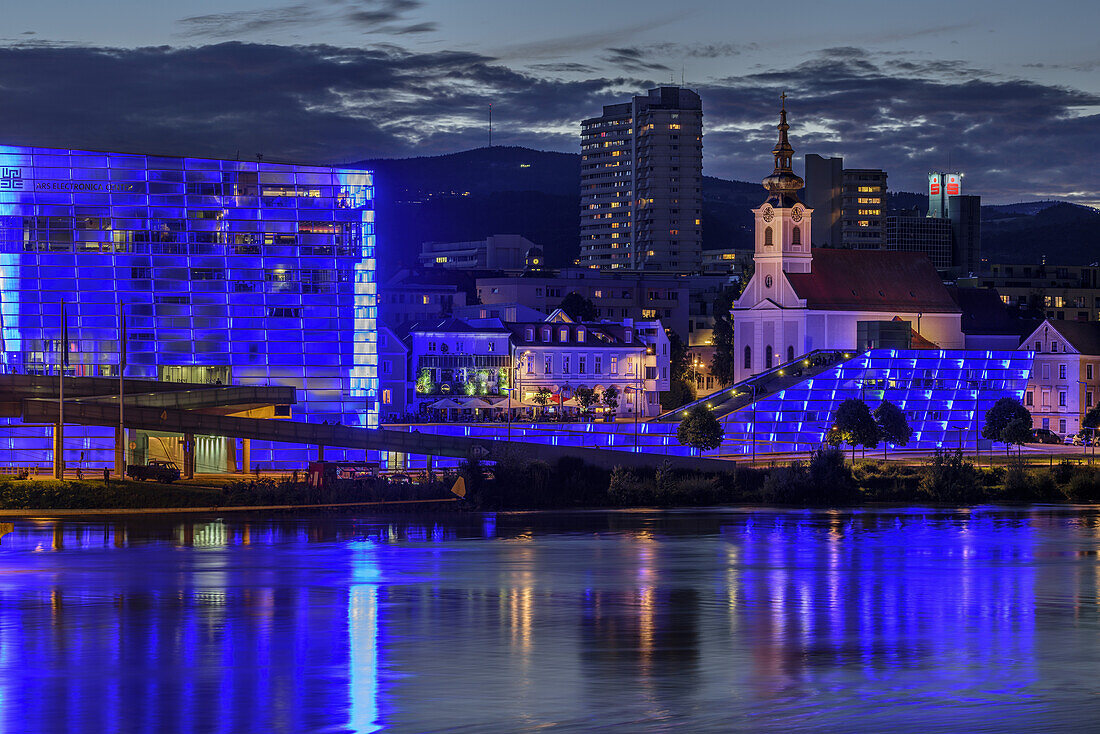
{"points": [[244, 272]]}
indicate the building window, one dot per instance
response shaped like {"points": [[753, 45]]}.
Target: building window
{"points": [[1088, 399], [796, 236], [1088, 371], [614, 365], [387, 367], [548, 366], [598, 364], [1038, 346], [1054, 346], [1061, 425], [565, 364], [492, 346], [768, 357], [1062, 398], [529, 334], [580, 335], [1029, 398], [387, 397], [768, 236], [563, 334], [790, 354], [1061, 372], [546, 334], [431, 346], [748, 358]]}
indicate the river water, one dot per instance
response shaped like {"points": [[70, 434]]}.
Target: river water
{"points": [[728, 620]]}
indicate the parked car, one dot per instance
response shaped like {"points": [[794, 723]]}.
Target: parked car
{"points": [[1044, 435], [1083, 438], [158, 471]]}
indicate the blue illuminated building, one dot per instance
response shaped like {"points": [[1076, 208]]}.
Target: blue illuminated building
{"points": [[943, 393], [228, 271]]}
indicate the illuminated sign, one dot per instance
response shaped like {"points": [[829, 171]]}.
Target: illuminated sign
{"points": [[933, 185], [952, 184], [11, 179]]}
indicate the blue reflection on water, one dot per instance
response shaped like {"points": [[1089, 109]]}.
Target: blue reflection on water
{"points": [[911, 620]]}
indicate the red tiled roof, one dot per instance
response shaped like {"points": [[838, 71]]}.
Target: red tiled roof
{"points": [[872, 280]]}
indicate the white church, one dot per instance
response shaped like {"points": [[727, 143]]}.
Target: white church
{"points": [[802, 298]]}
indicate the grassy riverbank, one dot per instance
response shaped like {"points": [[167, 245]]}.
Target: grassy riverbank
{"points": [[826, 479], [95, 495]]}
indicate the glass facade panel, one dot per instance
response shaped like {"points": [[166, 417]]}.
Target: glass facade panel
{"points": [[205, 257]]}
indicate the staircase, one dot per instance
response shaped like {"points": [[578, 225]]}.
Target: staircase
{"points": [[749, 390]]}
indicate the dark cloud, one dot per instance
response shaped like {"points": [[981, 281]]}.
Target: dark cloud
{"points": [[633, 59], [1015, 139], [370, 16], [314, 103]]}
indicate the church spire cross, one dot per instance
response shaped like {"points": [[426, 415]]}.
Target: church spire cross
{"points": [[783, 180]]}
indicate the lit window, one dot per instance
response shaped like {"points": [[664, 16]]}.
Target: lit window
{"points": [[387, 397], [426, 300]]}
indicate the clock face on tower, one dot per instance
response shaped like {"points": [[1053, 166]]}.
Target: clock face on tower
{"points": [[796, 215], [768, 214]]}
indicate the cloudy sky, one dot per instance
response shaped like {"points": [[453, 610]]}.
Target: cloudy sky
{"points": [[1005, 91]]}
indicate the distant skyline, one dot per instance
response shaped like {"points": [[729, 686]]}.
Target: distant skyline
{"points": [[1007, 93]]}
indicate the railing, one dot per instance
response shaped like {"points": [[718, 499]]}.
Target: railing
{"points": [[808, 361]]}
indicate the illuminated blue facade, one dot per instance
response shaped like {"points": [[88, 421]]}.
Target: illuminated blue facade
{"points": [[943, 393], [228, 271]]}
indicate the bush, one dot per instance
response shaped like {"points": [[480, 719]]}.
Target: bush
{"points": [[1083, 486], [826, 479], [950, 478]]}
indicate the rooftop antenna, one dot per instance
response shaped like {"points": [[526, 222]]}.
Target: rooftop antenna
{"points": [[490, 124], [681, 75]]}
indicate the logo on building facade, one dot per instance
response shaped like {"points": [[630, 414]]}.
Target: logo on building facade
{"points": [[11, 179]]}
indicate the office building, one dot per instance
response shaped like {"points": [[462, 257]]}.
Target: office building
{"points": [[850, 202], [641, 183], [497, 252], [950, 234], [243, 273], [1062, 292], [909, 231]]}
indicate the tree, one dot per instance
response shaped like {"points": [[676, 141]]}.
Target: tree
{"points": [[724, 363], [892, 425], [700, 429], [425, 385], [586, 398], [1006, 422], [610, 398], [542, 397], [1092, 418], [578, 307], [855, 425]]}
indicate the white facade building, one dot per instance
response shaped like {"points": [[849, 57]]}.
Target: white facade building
{"points": [[561, 355], [1065, 377]]}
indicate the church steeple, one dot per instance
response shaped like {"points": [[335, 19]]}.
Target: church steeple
{"points": [[783, 182]]}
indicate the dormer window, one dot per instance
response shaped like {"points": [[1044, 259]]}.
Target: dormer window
{"points": [[529, 334], [546, 334], [628, 335], [580, 335], [563, 334]]}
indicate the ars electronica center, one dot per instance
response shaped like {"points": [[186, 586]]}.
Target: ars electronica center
{"points": [[227, 272]]}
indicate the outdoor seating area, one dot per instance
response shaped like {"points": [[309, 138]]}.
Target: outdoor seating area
{"points": [[494, 409]]}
